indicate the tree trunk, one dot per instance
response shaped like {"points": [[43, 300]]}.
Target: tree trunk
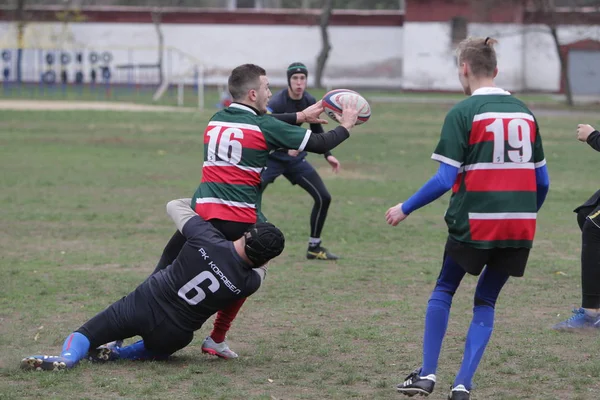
{"points": [[156, 19], [564, 70], [20, 18], [324, 54]]}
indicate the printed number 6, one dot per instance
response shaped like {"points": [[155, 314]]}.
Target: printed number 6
{"points": [[194, 285]]}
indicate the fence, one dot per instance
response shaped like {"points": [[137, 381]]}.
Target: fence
{"points": [[126, 74]]}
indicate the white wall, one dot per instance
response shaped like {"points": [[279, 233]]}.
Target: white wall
{"points": [[527, 58], [360, 55], [540, 50]]}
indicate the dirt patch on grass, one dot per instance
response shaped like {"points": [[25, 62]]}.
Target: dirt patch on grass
{"points": [[56, 105]]}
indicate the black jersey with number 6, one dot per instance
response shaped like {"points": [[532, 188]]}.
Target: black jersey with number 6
{"points": [[207, 276]]}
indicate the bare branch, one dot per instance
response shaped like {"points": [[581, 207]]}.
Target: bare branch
{"points": [[324, 54]]}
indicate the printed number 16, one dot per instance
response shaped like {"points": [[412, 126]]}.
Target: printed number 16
{"points": [[226, 148]]}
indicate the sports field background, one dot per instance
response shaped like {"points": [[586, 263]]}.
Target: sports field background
{"points": [[82, 222]]}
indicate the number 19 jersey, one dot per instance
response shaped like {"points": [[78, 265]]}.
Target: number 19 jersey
{"points": [[237, 142], [494, 140]]}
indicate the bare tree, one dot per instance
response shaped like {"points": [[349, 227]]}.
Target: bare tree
{"points": [[324, 54], [20, 18], [548, 9], [548, 15], [157, 19]]}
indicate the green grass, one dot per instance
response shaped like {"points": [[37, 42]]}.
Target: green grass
{"points": [[143, 95], [82, 222]]}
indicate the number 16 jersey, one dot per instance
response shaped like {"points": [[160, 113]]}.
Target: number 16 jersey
{"points": [[237, 142], [494, 140]]}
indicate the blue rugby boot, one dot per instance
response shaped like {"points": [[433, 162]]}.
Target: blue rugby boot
{"points": [[579, 321]]}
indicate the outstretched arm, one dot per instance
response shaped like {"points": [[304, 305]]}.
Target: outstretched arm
{"points": [[310, 114], [321, 143], [439, 184], [181, 212]]}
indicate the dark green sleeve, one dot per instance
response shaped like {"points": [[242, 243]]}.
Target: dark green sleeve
{"points": [[280, 135], [453, 144]]}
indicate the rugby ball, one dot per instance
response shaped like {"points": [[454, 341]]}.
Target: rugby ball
{"points": [[333, 100]]}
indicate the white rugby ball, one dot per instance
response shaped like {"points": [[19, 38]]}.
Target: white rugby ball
{"points": [[333, 101]]}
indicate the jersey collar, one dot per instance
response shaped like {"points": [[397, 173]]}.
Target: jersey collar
{"points": [[490, 90], [245, 107]]}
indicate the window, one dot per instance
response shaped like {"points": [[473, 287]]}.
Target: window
{"points": [[458, 26], [245, 3]]}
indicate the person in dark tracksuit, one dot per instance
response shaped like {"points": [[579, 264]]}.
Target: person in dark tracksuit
{"points": [[588, 218], [293, 164], [208, 275]]}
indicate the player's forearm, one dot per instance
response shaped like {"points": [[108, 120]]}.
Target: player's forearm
{"points": [[262, 272], [321, 143], [439, 184], [542, 184], [180, 212], [289, 118], [594, 140], [318, 128]]}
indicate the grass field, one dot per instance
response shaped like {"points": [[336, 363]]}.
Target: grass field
{"points": [[142, 94], [82, 206]]}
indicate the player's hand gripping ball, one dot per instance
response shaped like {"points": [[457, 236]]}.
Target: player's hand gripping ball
{"points": [[333, 101]]}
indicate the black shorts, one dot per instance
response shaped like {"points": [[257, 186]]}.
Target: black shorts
{"points": [[232, 230], [511, 260], [594, 215], [293, 170], [137, 314]]}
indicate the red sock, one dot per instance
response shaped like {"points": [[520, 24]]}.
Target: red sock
{"points": [[224, 319]]}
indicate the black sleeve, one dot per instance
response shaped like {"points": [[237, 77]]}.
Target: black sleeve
{"points": [[318, 128], [289, 118], [594, 140], [199, 232], [323, 142]]}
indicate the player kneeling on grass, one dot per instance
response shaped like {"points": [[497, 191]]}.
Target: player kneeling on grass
{"points": [[208, 275], [491, 156]]}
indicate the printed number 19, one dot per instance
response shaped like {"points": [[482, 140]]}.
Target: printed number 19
{"points": [[519, 140], [226, 148]]}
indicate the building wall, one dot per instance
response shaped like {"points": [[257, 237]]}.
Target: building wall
{"points": [[360, 55], [527, 57]]}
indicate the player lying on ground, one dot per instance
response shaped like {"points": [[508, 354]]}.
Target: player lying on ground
{"points": [[208, 275], [491, 156], [237, 142]]}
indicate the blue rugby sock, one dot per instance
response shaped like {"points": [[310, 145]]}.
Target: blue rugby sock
{"points": [[137, 351], [478, 337], [436, 322], [75, 347]]}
